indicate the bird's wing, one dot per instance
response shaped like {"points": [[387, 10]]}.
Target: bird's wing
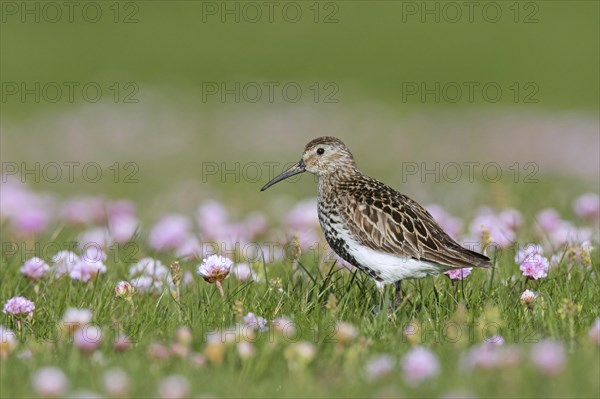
{"points": [[385, 220]]}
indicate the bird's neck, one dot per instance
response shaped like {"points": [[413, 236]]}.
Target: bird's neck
{"points": [[335, 180]]}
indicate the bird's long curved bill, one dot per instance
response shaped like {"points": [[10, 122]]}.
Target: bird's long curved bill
{"points": [[294, 170]]}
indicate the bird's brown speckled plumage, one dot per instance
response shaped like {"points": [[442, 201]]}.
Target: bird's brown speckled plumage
{"points": [[357, 211]]}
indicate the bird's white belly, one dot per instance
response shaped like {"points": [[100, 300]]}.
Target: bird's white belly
{"points": [[391, 268]]}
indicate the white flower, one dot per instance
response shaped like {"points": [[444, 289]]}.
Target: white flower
{"points": [[149, 267], [86, 270], [527, 297], [124, 289], [215, 268], [379, 367], [244, 272], [116, 383], [75, 318], [148, 275], [34, 268], [255, 322], [64, 262], [345, 332], [49, 382], [419, 364], [174, 387], [299, 354]]}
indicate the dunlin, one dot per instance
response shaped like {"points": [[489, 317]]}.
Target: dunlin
{"points": [[382, 232]]}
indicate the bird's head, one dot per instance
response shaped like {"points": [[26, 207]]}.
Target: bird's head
{"points": [[322, 156]]}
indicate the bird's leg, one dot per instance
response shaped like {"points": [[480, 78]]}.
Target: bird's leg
{"points": [[381, 289], [398, 293]]}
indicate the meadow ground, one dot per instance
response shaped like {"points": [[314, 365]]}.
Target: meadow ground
{"points": [[164, 162], [293, 320]]}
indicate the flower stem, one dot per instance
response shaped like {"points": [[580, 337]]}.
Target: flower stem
{"points": [[220, 287]]}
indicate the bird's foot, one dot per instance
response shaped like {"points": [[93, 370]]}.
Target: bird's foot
{"points": [[398, 296]]}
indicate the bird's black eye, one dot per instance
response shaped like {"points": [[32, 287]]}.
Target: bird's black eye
{"points": [[320, 151]]}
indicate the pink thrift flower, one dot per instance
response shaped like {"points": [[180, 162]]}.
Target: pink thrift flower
{"points": [[86, 270], [190, 248], [148, 284], [379, 367], [119, 208], [12, 196], [564, 233], [511, 218], [235, 234], [174, 387], [88, 338], [64, 263], [587, 207], [243, 272], [28, 212], [19, 306], [487, 223], [149, 267], [170, 232], [450, 224], [308, 238], [215, 269], [303, 216], [116, 383], [83, 210], [526, 253], [594, 332], [75, 318], [548, 219], [158, 351], [527, 297], [494, 340], [344, 333], [555, 260], [245, 349], [184, 335], [50, 382], [148, 275], [299, 354], [96, 237], [188, 278], [34, 268], [122, 343], [197, 360], [123, 227], [489, 356], [419, 364], [548, 357], [31, 220], [212, 219], [180, 350], [255, 224], [458, 274], [124, 289], [92, 252], [535, 266], [286, 327], [483, 356], [255, 322]]}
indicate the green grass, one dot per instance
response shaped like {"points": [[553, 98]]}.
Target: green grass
{"points": [[171, 133], [315, 298]]}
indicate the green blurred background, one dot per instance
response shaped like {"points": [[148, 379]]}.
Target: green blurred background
{"points": [[360, 57]]}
